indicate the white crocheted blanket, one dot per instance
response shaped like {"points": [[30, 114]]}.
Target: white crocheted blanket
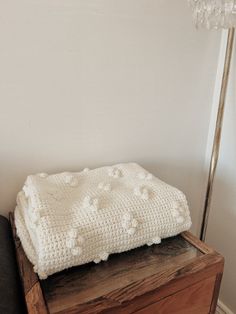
{"points": [[69, 219]]}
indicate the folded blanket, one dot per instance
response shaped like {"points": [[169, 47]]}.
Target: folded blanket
{"points": [[69, 219]]}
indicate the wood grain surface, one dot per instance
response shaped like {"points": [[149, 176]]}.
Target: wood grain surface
{"points": [[185, 301]]}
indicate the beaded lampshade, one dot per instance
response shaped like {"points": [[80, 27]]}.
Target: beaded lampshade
{"points": [[214, 14]]}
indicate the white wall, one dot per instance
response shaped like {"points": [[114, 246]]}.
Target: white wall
{"points": [[94, 82], [221, 231]]}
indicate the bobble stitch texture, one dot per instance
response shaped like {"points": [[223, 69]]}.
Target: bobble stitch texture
{"points": [[145, 176], [131, 231], [129, 223], [102, 257], [127, 216], [91, 203], [178, 213], [71, 242], [76, 251], [142, 192], [73, 233], [104, 186], [43, 275], [155, 240], [114, 172], [97, 260], [71, 180], [74, 242], [43, 175]]}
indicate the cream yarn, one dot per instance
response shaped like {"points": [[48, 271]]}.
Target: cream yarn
{"points": [[69, 219]]}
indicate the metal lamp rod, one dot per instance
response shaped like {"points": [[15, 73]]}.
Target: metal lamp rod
{"points": [[217, 136]]}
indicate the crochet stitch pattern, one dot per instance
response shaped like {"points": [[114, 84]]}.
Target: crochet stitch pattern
{"points": [[70, 219]]}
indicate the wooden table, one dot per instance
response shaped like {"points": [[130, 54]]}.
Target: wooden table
{"points": [[180, 275]]}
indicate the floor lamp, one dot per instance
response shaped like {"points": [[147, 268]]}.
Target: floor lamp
{"points": [[216, 14]]}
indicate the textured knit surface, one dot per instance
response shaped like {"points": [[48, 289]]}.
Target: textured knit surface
{"points": [[69, 219]]}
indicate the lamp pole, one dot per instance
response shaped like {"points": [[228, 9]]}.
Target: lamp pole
{"points": [[217, 136]]}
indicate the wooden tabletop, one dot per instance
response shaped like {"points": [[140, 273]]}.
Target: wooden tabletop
{"points": [[122, 277]]}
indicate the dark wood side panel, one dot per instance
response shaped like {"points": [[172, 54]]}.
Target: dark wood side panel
{"points": [[32, 290], [195, 300], [216, 293]]}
